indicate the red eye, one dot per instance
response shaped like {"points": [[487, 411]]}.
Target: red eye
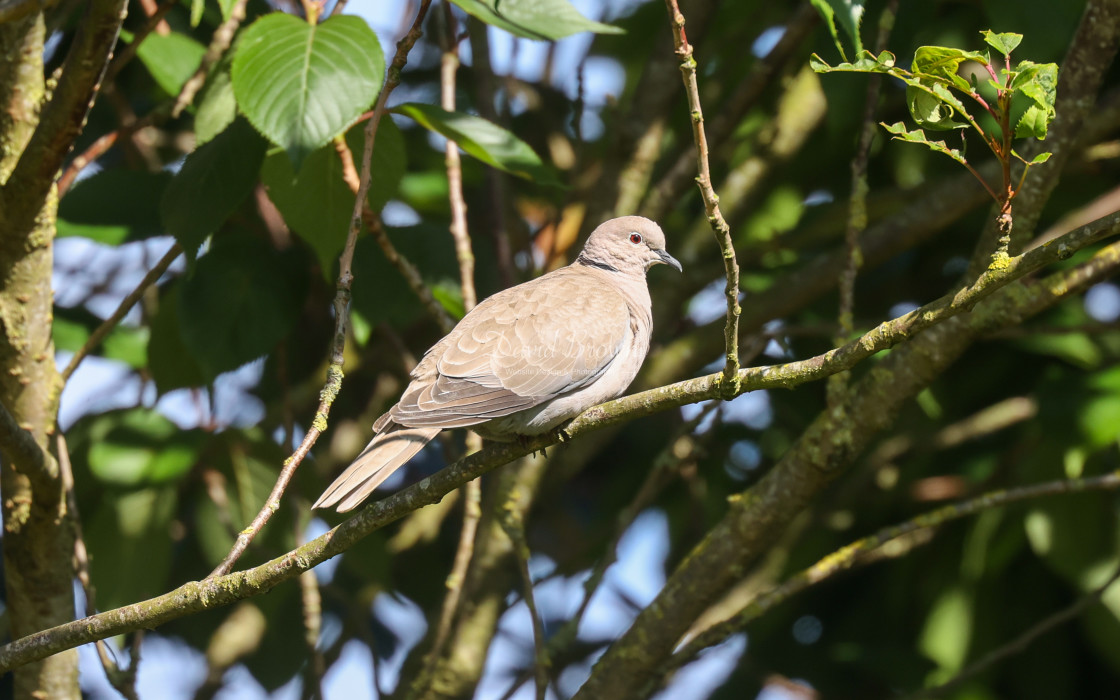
{"points": [[635, 238]]}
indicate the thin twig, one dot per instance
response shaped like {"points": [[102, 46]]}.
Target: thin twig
{"points": [[311, 603], [219, 43], [123, 681], [195, 596], [372, 222], [857, 207], [711, 200], [107, 326], [679, 449], [126, 54], [472, 492], [511, 523], [1020, 643], [854, 554], [341, 306]]}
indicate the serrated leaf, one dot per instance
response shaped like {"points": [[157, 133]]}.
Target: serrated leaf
{"points": [[217, 106], [1038, 81], [1004, 43], [242, 298], [1041, 158], [317, 204], [900, 132], [1034, 122], [171, 59], [483, 140], [211, 184], [534, 19], [848, 14], [865, 62], [942, 62], [301, 85], [113, 206], [930, 111]]}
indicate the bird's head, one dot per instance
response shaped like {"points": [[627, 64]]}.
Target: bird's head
{"points": [[628, 243]]}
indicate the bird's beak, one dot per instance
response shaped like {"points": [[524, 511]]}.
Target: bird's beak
{"points": [[664, 257]]}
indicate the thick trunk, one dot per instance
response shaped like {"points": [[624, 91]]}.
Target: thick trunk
{"points": [[37, 541]]}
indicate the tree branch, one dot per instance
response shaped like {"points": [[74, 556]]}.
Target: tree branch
{"points": [[64, 115], [341, 306], [855, 554], [784, 488], [711, 202], [19, 446]]}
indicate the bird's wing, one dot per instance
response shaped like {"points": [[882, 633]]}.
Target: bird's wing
{"points": [[519, 349]]}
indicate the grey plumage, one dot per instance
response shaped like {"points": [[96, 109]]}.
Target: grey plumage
{"points": [[526, 359]]}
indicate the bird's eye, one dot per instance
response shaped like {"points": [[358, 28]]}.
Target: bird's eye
{"points": [[635, 238]]}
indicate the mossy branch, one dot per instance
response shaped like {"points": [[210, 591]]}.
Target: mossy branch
{"points": [[222, 590]]}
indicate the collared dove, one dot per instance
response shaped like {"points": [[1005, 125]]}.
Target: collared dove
{"points": [[526, 359]]}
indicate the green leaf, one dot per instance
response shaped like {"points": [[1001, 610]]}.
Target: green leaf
{"points": [[217, 106], [929, 111], [113, 206], [1041, 158], [139, 446], [865, 62], [130, 544], [484, 140], [900, 132], [302, 85], [197, 6], [127, 344], [1038, 81], [170, 362], [67, 334], [171, 59], [241, 300], [849, 14], [317, 204], [534, 19], [948, 629], [1004, 43], [1034, 122], [941, 62], [211, 184]]}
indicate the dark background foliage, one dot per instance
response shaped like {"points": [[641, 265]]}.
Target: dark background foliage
{"points": [[176, 441]]}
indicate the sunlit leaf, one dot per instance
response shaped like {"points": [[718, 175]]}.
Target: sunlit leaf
{"points": [[170, 58], [534, 19], [1038, 81], [900, 132], [482, 139], [139, 446], [1034, 122], [217, 106], [865, 62], [848, 14], [1004, 43], [301, 84], [944, 63], [317, 204]]}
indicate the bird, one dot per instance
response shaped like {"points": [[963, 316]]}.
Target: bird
{"points": [[526, 359]]}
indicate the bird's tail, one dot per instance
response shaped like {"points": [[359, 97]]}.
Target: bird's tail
{"points": [[388, 450]]}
